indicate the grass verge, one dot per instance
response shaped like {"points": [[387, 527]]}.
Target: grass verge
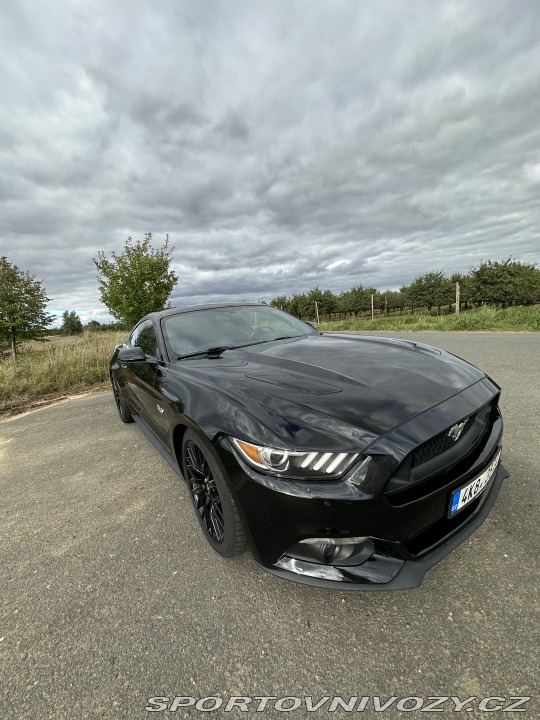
{"points": [[508, 319], [57, 367]]}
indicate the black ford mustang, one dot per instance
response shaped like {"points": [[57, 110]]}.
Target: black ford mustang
{"points": [[345, 461]]}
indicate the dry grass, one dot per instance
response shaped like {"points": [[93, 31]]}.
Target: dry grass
{"points": [[52, 340], [62, 365]]}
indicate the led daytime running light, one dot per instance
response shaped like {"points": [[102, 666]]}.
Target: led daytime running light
{"points": [[295, 463]]}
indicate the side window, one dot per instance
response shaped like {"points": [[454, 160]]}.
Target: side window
{"points": [[144, 336]]}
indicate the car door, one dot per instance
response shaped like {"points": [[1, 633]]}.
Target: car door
{"points": [[140, 376]]}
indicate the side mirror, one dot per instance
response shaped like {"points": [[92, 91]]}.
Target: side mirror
{"points": [[131, 355], [311, 324]]}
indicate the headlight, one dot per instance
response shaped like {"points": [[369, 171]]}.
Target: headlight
{"points": [[295, 464]]}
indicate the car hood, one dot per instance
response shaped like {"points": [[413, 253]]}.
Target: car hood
{"points": [[352, 389]]}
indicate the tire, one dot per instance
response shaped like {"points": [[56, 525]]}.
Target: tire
{"points": [[214, 505], [121, 404]]}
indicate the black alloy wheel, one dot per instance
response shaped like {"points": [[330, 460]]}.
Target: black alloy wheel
{"points": [[204, 492], [212, 499], [121, 404]]}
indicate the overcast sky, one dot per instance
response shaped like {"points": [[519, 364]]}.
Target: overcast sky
{"points": [[282, 145]]}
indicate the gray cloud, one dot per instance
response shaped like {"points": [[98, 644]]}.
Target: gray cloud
{"points": [[280, 146]]}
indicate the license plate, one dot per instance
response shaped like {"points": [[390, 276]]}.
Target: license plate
{"points": [[466, 494]]}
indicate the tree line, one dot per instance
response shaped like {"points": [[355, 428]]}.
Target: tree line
{"points": [[504, 283]]}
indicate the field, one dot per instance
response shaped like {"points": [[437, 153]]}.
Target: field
{"points": [[56, 367], [525, 319]]}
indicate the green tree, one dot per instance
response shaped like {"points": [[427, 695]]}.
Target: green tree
{"points": [[325, 299], [408, 297], [280, 302], [506, 283], [394, 300], [71, 323], [93, 325], [429, 290], [138, 281], [355, 300], [22, 307], [296, 305], [303, 305]]}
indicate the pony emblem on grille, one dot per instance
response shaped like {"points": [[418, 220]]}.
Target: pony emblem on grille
{"points": [[455, 431]]}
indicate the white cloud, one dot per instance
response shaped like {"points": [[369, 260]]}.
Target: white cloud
{"points": [[532, 172], [337, 263]]}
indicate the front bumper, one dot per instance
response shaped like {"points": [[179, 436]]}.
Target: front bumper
{"points": [[385, 571], [410, 531]]}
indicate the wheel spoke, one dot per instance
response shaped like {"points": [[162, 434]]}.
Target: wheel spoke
{"points": [[193, 462], [216, 523], [219, 513]]}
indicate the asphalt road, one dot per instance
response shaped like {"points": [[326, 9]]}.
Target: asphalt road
{"points": [[110, 594]]}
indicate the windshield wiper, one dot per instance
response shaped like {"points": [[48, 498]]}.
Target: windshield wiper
{"points": [[212, 353], [215, 352], [285, 337], [290, 337]]}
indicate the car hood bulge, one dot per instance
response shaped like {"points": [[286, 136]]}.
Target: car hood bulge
{"points": [[350, 388]]}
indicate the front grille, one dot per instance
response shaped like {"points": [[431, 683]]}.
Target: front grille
{"points": [[438, 445], [439, 461]]}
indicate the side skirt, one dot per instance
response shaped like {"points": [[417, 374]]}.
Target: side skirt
{"points": [[156, 442]]}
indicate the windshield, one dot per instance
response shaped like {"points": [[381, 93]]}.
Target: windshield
{"points": [[229, 327]]}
